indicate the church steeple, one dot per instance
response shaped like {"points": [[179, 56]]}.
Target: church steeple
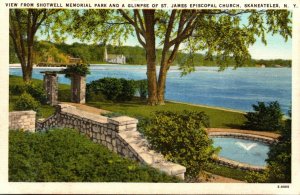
{"points": [[105, 53]]}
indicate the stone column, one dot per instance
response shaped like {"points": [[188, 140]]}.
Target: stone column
{"points": [[78, 88], [51, 87]]}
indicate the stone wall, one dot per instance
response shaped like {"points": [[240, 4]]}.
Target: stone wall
{"points": [[118, 134], [22, 120]]}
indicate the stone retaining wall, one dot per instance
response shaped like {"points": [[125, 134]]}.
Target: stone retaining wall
{"points": [[22, 120], [118, 134], [235, 164]]}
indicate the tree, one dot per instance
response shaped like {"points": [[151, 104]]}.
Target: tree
{"points": [[221, 33], [23, 26]]}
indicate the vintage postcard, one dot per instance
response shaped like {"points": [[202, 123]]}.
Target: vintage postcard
{"points": [[136, 97]]}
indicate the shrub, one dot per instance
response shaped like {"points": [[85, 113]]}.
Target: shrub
{"points": [[16, 89], [111, 88], [71, 157], [36, 91], [79, 69], [279, 160], [264, 117], [142, 86], [128, 90], [181, 138], [26, 102]]}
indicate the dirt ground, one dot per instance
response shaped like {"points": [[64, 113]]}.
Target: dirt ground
{"points": [[212, 178]]}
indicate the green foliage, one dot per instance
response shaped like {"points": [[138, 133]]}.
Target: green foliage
{"points": [[279, 159], [229, 172], [26, 102], [142, 86], [16, 89], [78, 69], [112, 89], [128, 90], [47, 52], [63, 155], [181, 138], [264, 117], [35, 90]]}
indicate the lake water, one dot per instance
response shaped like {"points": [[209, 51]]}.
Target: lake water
{"points": [[236, 89]]}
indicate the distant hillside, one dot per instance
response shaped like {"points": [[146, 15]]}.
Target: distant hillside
{"points": [[94, 54]]}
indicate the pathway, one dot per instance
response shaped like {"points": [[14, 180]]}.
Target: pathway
{"points": [[88, 108], [212, 178]]}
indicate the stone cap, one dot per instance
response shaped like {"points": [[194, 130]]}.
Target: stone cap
{"points": [[83, 114], [170, 168], [123, 120], [31, 112]]}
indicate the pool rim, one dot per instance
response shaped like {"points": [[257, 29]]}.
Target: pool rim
{"points": [[237, 164]]}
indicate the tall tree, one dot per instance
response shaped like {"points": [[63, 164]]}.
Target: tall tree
{"points": [[23, 26], [221, 33]]}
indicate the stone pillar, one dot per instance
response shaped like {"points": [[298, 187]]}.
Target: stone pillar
{"points": [[51, 87], [25, 120], [78, 89]]}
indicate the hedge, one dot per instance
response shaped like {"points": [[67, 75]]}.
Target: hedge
{"points": [[63, 155]]}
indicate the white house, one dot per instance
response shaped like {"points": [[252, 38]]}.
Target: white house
{"points": [[114, 58]]}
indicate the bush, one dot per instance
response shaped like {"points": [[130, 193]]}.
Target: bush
{"points": [[26, 102], [279, 160], [142, 86], [36, 91], [16, 89], [112, 89], [71, 157], [128, 90], [265, 117], [181, 138], [79, 69]]}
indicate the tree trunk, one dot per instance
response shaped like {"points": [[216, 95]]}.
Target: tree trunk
{"points": [[27, 74], [162, 84], [151, 56]]}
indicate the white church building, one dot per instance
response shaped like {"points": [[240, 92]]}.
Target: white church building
{"points": [[114, 58]]}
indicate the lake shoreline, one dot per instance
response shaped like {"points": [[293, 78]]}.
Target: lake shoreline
{"points": [[231, 89], [16, 65]]}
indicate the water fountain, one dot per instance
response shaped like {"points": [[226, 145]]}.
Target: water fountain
{"points": [[240, 149], [246, 146]]}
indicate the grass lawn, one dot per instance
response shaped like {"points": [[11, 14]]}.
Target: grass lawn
{"points": [[137, 108]]}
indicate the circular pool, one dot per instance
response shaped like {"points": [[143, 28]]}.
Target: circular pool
{"points": [[245, 150], [248, 151]]}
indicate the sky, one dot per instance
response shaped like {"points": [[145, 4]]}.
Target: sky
{"points": [[276, 48]]}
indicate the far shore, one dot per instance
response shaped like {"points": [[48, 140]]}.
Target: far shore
{"points": [[17, 65]]}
